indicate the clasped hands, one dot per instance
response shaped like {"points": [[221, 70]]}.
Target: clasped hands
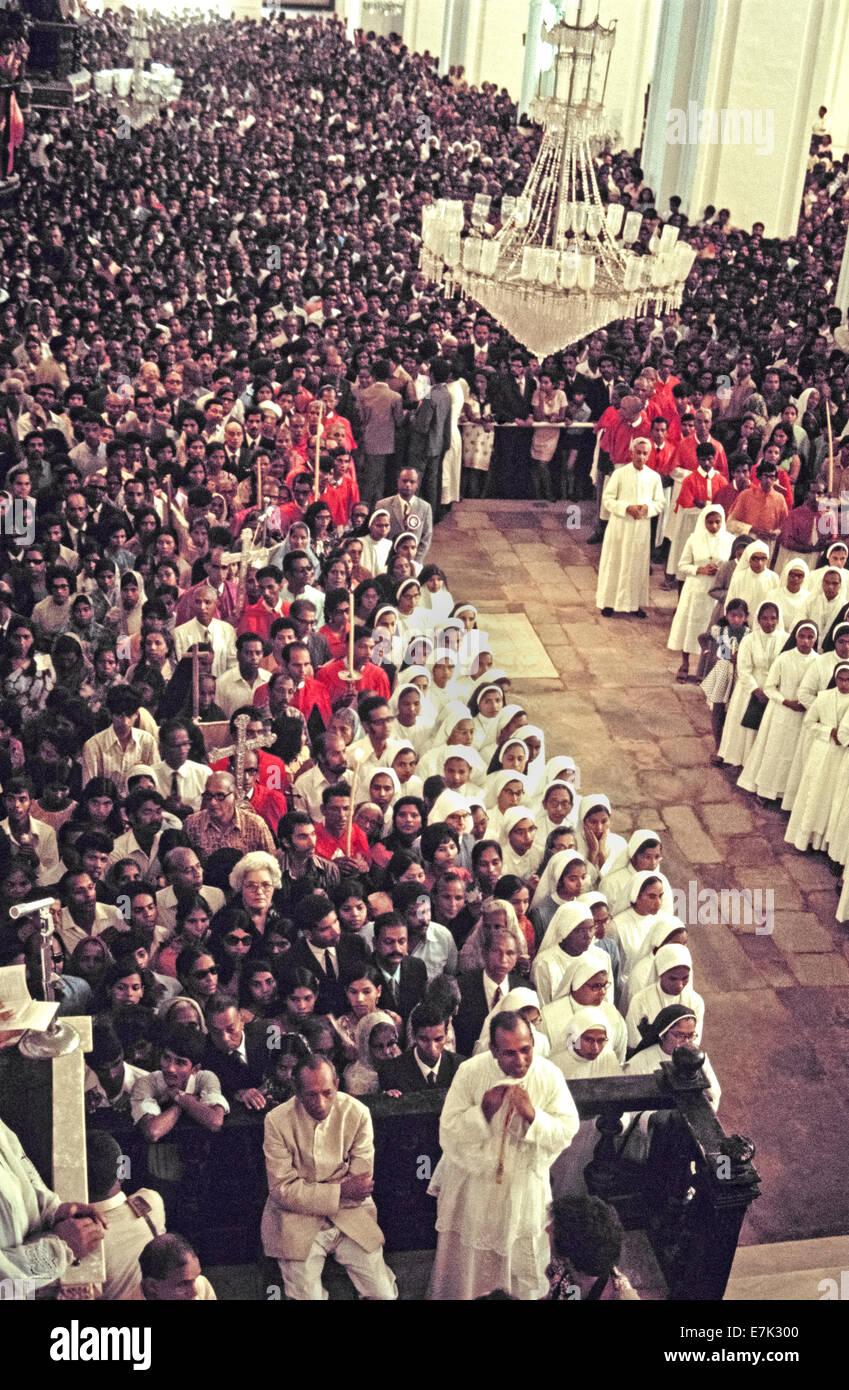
{"points": [[520, 1101]]}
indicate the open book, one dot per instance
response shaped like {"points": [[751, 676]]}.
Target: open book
{"points": [[26, 1011]]}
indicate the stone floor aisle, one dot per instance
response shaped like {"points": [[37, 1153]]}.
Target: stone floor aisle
{"points": [[777, 1003]]}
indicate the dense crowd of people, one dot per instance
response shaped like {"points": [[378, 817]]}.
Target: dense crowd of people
{"points": [[304, 845]]}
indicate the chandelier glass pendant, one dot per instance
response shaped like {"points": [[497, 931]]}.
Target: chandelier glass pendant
{"points": [[560, 265], [137, 93]]}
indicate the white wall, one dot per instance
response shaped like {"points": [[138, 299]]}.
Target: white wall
{"points": [[631, 63], [771, 57]]}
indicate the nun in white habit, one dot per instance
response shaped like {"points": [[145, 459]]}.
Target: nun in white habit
{"points": [[408, 704], [501, 791], [630, 928], [835, 557], [376, 551], [755, 656], [521, 850], [556, 808], [533, 740], [704, 551], [642, 852], [672, 984], [595, 841], [506, 723], [588, 980], [569, 934], [752, 583], [792, 593], [836, 838], [667, 930], [518, 1001], [585, 1055], [565, 769], [768, 764], [672, 1028], [818, 767], [825, 600], [818, 676]]}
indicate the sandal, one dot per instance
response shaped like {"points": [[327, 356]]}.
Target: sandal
{"points": [[682, 675]]}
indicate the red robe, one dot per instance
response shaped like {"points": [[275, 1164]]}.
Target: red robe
{"points": [[326, 846], [686, 455], [371, 678]]}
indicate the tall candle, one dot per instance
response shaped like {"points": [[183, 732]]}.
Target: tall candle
{"points": [[351, 634], [317, 449]]}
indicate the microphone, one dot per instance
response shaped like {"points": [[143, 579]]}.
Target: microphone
{"points": [[24, 909]]}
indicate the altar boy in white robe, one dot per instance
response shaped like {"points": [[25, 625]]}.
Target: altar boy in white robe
{"points": [[507, 1116], [633, 495]]}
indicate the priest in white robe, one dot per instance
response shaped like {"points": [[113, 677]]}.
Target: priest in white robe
{"points": [[507, 1117], [633, 495]]}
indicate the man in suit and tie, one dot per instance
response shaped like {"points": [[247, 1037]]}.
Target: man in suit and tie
{"points": [[600, 389], [431, 432], [237, 1053], [403, 979], [381, 411], [323, 949], [237, 458], [407, 512], [512, 455], [426, 1066], [483, 989]]}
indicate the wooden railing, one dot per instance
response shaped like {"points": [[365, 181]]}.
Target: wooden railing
{"points": [[690, 1195]]}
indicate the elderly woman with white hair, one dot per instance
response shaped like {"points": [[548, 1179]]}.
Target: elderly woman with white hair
{"points": [[497, 916], [255, 879]]}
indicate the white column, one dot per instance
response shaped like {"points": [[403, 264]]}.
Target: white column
{"points": [[841, 294], [451, 20], [631, 64], [475, 27], [769, 64], [411, 21], [353, 17], [530, 70]]}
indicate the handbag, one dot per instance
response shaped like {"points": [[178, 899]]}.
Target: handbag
{"points": [[754, 713]]}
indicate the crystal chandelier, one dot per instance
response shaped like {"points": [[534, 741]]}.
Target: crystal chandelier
{"points": [[138, 94], [560, 264], [383, 12]]}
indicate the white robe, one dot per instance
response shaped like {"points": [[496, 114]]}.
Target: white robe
{"points": [[767, 767], [452, 462], [623, 572], [649, 1002], [755, 656], [817, 772], [695, 606], [492, 1235], [26, 1210], [629, 930], [644, 1064], [836, 838], [555, 1019], [567, 1173]]}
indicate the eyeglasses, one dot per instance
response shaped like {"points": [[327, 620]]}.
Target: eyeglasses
{"points": [[235, 939], [217, 796], [202, 974]]}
